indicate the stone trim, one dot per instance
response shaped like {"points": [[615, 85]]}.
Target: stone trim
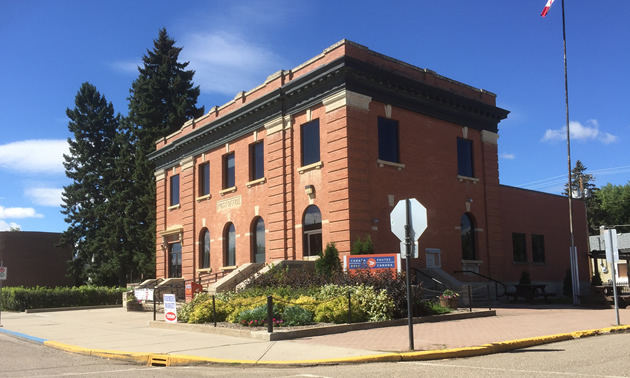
{"points": [[347, 98], [382, 163], [309, 167], [160, 175], [489, 137]]}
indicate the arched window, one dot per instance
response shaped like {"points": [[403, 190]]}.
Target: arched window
{"points": [[204, 249], [229, 245], [174, 260], [312, 236], [258, 240], [468, 238]]}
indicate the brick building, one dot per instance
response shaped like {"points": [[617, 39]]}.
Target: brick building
{"points": [[322, 153], [33, 259]]}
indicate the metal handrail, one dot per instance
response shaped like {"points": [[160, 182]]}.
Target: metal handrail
{"points": [[428, 276], [496, 283]]}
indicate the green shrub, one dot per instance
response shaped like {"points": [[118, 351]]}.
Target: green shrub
{"points": [[296, 316], [525, 278], [362, 247], [183, 314], [257, 317], [336, 311], [202, 312], [21, 298], [328, 263]]}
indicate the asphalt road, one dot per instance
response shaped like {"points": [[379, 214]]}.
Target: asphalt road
{"points": [[599, 356]]}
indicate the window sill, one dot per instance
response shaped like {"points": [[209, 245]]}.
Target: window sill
{"points": [[478, 262], [228, 190], [462, 178], [309, 167], [232, 267], [202, 198], [201, 271], [382, 163], [174, 207], [256, 182], [520, 263]]}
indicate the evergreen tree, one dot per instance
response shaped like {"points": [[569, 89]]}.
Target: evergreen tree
{"points": [[88, 165], [161, 100], [583, 187]]}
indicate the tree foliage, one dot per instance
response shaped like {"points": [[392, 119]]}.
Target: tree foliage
{"points": [[161, 100], [614, 202], [85, 202]]}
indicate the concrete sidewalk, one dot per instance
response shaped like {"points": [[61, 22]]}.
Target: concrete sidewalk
{"points": [[115, 333]]}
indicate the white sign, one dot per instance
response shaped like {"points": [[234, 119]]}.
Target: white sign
{"points": [[3, 272], [143, 294], [170, 308], [610, 240], [417, 223]]}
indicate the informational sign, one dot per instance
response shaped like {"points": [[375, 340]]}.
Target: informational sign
{"points": [[143, 294], [170, 308], [3, 272], [408, 212], [389, 261]]}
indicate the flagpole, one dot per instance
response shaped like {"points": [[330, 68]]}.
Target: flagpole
{"points": [[572, 253]]}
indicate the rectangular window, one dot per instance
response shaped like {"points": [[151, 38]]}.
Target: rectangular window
{"points": [[175, 260], [229, 180], [538, 248], [465, 157], [256, 161], [310, 142], [388, 140], [519, 247], [204, 179], [174, 190]]}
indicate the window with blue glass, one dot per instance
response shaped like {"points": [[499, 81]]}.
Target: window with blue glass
{"points": [[229, 178], [174, 190], [388, 140], [229, 240], [204, 179], [310, 142], [465, 157], [175, 260], [256, 161]]}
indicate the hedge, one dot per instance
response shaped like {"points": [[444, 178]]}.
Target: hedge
{"points": [[21, 298]]}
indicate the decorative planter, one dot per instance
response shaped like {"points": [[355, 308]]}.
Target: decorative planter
{"points": [[449, 302]]}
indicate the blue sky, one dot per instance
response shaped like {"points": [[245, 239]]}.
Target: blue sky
{"points": [[51, 47]]}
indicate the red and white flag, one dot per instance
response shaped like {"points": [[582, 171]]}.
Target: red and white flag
{"points": [[546, 9]]}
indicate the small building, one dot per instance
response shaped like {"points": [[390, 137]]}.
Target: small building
{"points": [[33, 259], [601, 265], [323, 152]]}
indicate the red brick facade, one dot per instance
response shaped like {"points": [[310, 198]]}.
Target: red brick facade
{"points": [[347, 89]]}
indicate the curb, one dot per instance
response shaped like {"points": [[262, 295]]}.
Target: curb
{"points": [[154, 359]]}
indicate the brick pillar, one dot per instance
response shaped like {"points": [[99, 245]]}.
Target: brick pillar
{"points": [[280, 239], [187, 201], [160, 213], [347, 116], [495, 257]]}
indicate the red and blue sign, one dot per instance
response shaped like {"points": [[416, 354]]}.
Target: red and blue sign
{"points": [[372, 262]]}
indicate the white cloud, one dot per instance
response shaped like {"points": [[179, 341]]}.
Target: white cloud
{"points": [[34, 156], [45, 196], [126, 66], [505, 155], [580, 132], [4, 226], [226, 63], [18, 212]]}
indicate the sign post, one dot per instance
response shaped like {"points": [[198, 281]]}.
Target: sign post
{"points": [[612, 256], [409, 220], [3, 276], [170, 308]]}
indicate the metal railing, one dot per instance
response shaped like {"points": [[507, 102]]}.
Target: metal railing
{"points": [[496, 283], [435, 281]]}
